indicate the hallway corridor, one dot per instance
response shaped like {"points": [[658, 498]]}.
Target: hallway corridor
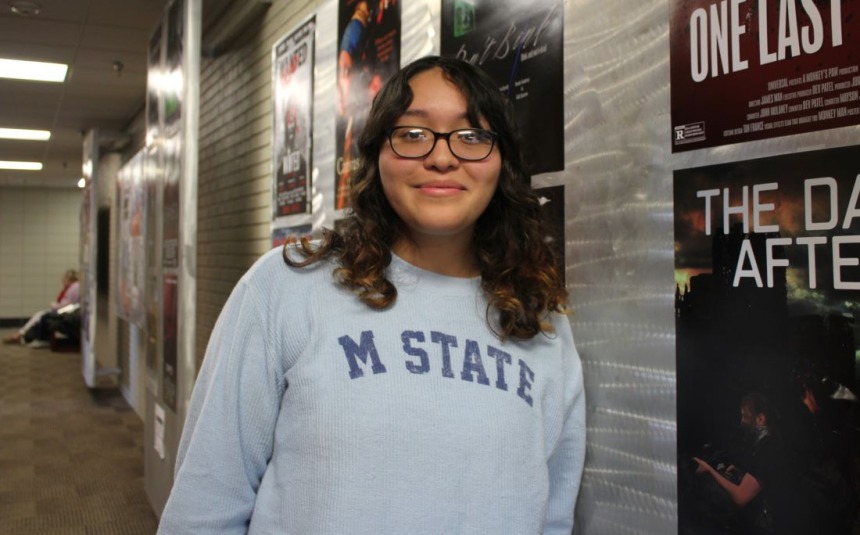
{"points": [[71, 459]]}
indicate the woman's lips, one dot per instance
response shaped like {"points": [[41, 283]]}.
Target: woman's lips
{"points": [[441, 189]]}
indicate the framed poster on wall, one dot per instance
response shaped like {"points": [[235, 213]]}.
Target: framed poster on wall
{"points": [[172, 160], [767, 266], [292, 122], [754, 70], [368, 55], [519, 44], [131, 242]]}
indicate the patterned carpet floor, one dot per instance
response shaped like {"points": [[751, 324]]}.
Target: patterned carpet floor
{"points": [[71, 458]]}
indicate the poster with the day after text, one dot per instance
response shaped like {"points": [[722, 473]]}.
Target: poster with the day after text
{"points": [[754, 69], [767, 267]]}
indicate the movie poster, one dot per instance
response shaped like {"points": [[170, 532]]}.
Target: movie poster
{"points": [[292, 128], [368, 55], [173, 72], [520, 45], [745, 70], [172, 154], [280, 234], [767, 266], [153, 169], [171, 340], [131, 254]]}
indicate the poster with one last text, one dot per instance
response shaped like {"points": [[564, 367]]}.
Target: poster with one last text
{"points": [[520, 45], [767, 302], [292, 129], [757, 69]]}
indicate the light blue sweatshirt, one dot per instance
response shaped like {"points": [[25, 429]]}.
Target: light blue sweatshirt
{"points": [[314, 414]]}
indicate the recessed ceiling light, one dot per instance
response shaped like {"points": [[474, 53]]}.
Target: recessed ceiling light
{"points": [[21, 166], [25, 8], [82, 182], [18, 133], [33, 70]]}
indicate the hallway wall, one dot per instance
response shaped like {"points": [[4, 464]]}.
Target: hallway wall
{"points": [[39, 240]]}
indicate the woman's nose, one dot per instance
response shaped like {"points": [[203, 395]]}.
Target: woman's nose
{"points": [[441, 156]]}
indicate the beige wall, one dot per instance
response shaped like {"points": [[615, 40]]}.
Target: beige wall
{"points": [[39, 240]]}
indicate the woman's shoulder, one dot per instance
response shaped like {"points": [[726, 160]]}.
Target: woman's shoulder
{"points": [[272, 272]]}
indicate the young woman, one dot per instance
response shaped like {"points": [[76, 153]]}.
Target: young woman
{"points": [[411, 373]]}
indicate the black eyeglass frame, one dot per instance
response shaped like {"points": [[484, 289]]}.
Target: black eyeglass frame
{"points": [[447, 136]]}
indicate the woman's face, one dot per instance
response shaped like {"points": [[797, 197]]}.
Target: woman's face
{"points": [[438, 195]]}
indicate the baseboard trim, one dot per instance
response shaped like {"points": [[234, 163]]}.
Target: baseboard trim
{"points": [[6, 323]]}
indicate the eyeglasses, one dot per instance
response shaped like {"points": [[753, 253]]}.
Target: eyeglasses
{"points": [[470, 144]]}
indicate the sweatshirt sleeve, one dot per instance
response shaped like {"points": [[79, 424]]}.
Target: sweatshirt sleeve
{"points": [[228, 435], [70, 296], [566, 461]]}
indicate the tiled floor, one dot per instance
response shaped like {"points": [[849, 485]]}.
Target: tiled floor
{"points": [[71, 459]]}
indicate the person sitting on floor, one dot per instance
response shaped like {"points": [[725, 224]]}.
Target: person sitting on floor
{"points": [[70, 294], [64, 323]]}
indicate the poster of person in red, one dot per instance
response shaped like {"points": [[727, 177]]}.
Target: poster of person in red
{"points": [[757, 69], [368, 55], [767, 268], [292, 130]]}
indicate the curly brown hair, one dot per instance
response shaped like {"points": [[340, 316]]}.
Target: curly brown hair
{"points": [[518, 268]]}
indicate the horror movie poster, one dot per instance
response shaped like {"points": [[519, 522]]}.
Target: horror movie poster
{"points": [[767, 267], [520, 45], [368, 55], [745, 70], [292, 129]]}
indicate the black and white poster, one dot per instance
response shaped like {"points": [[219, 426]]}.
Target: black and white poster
{"points": [[520, 45]]}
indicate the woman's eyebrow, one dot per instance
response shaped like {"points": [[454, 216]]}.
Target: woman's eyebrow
{"points": [[421, 112], [415, 113]]}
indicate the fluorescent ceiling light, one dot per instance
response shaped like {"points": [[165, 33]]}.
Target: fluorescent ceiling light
{"points": [[17, 133], [33, 70], [21, 166]]}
